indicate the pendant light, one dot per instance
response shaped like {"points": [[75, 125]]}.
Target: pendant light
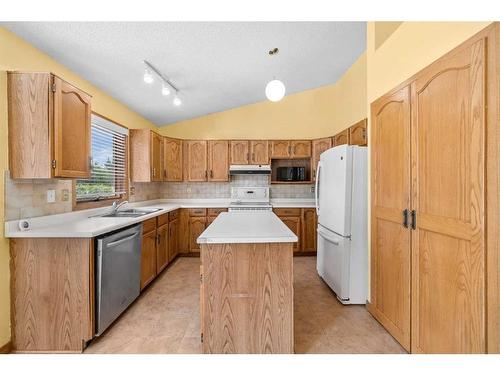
{"points": [[275, 89]]}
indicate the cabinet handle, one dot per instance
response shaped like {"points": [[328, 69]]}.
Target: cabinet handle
{"points": [[206, 174], [413, 219], [253, 156], [154, 172], [211, 173], [248, 156], [405, 218], [165, 173]]}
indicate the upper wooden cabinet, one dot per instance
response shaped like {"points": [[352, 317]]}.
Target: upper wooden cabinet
{"points": [[341, 138], [218, 161], [318, 146], [172, 159], [259, 152], [49, 127], [195, 160], [239, 152], [357, 134], [290, 149], [146, 156]]}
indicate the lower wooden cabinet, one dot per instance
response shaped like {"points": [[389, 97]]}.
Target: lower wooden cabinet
{"points": [[293, 222], [173, 239], [197, 225], [302, 222], [308, 228], [148, 258], [162, 248]]}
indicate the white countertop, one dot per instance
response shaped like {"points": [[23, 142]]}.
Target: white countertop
{"points": [[247, 227], [83, 223]]}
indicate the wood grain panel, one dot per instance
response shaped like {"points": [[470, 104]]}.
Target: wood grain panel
{"points": [[247, 298], [308, 228], [357, 134], [239, 151], [173, 239], [184, 231], [29, 116], [341, 138], [148, 258], [318, 146], [390, 241], [162, 250], [140, 151], [300, 149], [259, 152], [280, 149], [195, 156], [448, 282], [196, 226], [172, 159], [293, 222], [218, 161], [72, 113], [50, 309]]}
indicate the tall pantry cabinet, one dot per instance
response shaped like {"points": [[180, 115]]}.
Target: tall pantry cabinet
{"points": [[428, 246]]}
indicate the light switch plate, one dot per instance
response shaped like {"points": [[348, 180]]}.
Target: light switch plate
{"points": [[51, 196]]}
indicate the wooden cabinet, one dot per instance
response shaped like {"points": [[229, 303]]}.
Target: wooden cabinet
{"points": [[218, 161], [293, 222], [146, 155], [172, 159], [341, 138], [162, 250], [195, 161], [173, 239], [239, 152], [184, 231], [259, 152], [197, 225], [148, 258], [49, 127], [280, 149], [428, 164], [300, 149], [318, 146], [357, 134], [390, 250], [308, 230]]}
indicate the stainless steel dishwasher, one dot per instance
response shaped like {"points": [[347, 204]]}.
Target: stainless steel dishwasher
{"points": [[118, 274]]}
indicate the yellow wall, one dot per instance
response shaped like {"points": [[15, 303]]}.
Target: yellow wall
{"points": [[16, 54], [319, 112]]}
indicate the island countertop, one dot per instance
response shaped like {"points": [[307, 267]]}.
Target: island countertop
{"points": [[247, 227]]}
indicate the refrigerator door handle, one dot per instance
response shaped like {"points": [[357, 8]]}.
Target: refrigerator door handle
{"points": [[327, 236], [316, 189]]}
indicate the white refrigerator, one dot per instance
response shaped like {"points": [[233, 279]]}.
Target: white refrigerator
{"points": [[341, 205]]}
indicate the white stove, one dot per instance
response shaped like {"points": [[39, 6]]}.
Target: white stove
{"points": [[250, 199]]}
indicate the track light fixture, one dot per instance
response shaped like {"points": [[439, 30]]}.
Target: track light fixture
{"points": [[166, 87]]}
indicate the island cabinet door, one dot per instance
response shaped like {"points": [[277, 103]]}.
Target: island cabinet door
{"points": [[162, 252], [196, 226], [148, 258]]}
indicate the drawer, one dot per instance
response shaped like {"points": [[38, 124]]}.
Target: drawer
{"points": [[197, 211], [149, 225], [287, 211], [216, 211], [173, 215], [162, 220]]}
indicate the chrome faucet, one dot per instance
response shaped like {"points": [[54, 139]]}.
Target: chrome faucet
{"points": [[116, 206]]}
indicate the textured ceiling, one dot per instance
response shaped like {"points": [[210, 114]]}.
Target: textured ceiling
{"points": [[215, 65]]}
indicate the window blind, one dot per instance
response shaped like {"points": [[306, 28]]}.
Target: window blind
{"points": [[109, 163]]}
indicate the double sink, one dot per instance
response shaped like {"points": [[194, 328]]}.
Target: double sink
{"points": [[132, 212]]}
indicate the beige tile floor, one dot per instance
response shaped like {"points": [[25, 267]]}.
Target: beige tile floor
{"points": [[165, 318]]}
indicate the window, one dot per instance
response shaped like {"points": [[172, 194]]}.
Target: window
{"points": [[109, 163]]}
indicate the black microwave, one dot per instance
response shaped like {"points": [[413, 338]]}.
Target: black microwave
{"points": [[291, 173]]}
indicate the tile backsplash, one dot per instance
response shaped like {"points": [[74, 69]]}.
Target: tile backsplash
{"points": [[28, 198]]}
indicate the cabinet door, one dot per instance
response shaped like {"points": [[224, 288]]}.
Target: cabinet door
{"points": [[357, 134], [448, 251], [293, 222], [318, 146], [280, 149], [341, 138], [71, 131], [390, 241], [259, 152], [308, 225], [218, 161], [196, 226], [148, 258], [300, 149], [162, 251], [156, 157], [172, 159], [196, 160], [173, 239], [239, 152]]}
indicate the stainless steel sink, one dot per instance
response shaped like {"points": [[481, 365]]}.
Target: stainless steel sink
{"points": [[132, 212]]}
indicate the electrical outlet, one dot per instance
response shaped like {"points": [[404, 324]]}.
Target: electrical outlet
{"points": [[132, 190], [51, 196], [313, 188], [65, 195], [188, 190]]}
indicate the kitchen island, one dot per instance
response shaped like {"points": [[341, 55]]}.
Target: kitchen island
{"points": [[247, 284]]}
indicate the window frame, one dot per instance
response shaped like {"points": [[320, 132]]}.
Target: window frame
{"points": [[87, 204]]}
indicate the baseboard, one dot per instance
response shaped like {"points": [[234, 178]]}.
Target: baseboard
{"points": [[6, 349]]}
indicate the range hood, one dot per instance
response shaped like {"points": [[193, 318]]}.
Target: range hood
{"points": [[249, 169]]}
